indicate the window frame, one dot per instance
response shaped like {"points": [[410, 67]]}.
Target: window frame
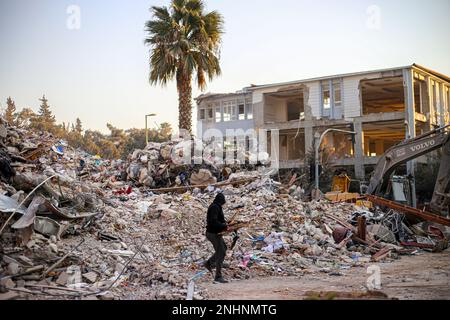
{"points": [[243, 114], [202, 110], [218, 111], [249, 115], [226, 112], [337, 86], [325, 108], [331, 86], [447, 95]]}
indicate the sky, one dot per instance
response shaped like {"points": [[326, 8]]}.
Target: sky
{"points": [[88, 56]]}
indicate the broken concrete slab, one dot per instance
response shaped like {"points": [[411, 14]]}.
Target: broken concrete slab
{"points": [[25, 260], [30, 214], [90, 276], [13, 268], [53, 247], [7, 283], [382, 232], [62, 279], [74, 275], [48, 227], [9, 205]]}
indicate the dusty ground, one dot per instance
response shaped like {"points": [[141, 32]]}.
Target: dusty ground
{"points": [[425, 276]]}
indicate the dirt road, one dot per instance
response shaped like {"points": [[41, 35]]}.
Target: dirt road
{"points": [[425, 276]]}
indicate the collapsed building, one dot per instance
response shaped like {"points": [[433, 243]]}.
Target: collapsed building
{"points": [[74, 226], [382, 106]]}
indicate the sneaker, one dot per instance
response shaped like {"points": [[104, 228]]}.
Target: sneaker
{"points": [[208, 267], [220, 280]]}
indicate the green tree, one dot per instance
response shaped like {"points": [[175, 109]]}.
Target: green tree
{"points": [[59, 131], [91, 141], [117, 138], [45, 120], [75, 136], [135, 140], [116, 133], [10, 115], [78, 126], [165, 132], [185, 41]]}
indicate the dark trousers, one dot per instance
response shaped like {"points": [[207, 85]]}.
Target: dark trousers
{"points": [[220, 249]]}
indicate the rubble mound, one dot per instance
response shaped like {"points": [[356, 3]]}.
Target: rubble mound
{"points": [[74, 226]]}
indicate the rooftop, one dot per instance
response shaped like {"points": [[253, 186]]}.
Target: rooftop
{"points": [[414, 65]]}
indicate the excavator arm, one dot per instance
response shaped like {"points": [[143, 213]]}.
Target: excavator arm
{"points": [[441, 198], [412, 149]]}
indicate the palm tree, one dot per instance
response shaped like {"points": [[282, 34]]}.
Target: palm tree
{"points": [[185, 41]]}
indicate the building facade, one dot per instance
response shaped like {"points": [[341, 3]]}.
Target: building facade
{"points": [[383, 106], [224, 112]]}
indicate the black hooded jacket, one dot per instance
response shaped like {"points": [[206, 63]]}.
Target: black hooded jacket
{"points": [[215, 219]]}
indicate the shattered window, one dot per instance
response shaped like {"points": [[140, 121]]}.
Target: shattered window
{"points": [[326, 98], [249, 112], [433, 92], [218, 115], [331, 97], [241, 112], [337, 93], [234, 114], [202, 114], [448, 99], [210, 113], [227, 113]]}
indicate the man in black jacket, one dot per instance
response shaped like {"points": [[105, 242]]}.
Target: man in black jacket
{"points": [[216, 224]]}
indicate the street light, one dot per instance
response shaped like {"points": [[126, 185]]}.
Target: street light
{"points": [[317, 147], [146, 126]]}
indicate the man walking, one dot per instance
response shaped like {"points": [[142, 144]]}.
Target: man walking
{"points": [[216, 224]]}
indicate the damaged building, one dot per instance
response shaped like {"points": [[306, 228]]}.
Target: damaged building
{"points": [[383, 106]]}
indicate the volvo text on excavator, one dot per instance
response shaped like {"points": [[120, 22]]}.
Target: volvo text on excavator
{"points": [[409, 150]]}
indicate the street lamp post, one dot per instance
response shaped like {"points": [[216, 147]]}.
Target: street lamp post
{"points": [[146, 126], [317, 147]]}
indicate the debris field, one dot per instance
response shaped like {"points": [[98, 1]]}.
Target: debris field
{"points": [[75, 226]]}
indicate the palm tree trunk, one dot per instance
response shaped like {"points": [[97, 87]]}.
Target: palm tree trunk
{"points": [[184, 101]]}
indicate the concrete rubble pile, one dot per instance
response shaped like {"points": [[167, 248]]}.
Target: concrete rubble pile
{"points": [[86, 234], [162, 165]]}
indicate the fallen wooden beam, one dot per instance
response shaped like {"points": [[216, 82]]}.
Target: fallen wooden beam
{"points": [[204, 186], [409, 210], [380, 255], [418, 245], [342, 223], [362, 227], [27, 271], [37, 286]]}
